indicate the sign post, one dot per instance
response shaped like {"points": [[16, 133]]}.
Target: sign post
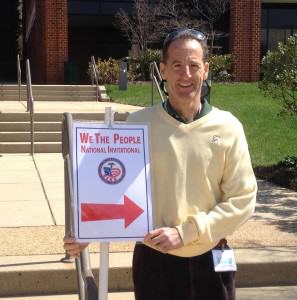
{"points": [[104, 247], [111, 183]]}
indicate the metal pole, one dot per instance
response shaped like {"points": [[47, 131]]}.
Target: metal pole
{"points": [[157, 79], [103, 271], [27, 85], [104, 247], [158, 87], [152, 76], [32, 128], [69, 225], [157, 71], [19, 72], [96, 78], [30, 104]]}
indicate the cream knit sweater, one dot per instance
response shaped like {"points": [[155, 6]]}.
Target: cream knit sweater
{"points": [[202, 179]]}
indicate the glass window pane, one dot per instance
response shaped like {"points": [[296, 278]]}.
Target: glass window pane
{"points": [[274, 37], [263, 41], [281, 18], [288, 33]]}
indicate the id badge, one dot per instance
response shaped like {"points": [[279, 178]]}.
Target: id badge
{"points": [[224, 260]]}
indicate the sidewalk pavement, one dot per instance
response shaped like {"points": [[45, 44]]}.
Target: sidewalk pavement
{"points": [[60, 107], [32, 209]]}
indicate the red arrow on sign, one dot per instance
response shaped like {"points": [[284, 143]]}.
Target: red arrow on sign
{"points": [[99, 212]]}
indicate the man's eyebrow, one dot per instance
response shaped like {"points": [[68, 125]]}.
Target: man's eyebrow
{"points": [[176, 61]]}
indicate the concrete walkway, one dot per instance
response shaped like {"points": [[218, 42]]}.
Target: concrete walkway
{"points": [[32, 200], [57, 106], [32, 222]]}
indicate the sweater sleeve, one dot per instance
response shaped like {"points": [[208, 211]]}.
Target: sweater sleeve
{"points": [[238, 197]]}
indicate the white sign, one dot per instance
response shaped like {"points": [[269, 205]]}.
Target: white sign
{"points": [[111, 180]]}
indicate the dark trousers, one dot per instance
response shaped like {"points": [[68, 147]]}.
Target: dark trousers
{"points": [[159, 276]]}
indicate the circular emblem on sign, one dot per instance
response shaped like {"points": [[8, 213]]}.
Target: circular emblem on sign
{"points": [[111, 171]]}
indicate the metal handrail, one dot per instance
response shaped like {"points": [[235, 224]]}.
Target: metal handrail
{"points": [[157, 80], [19, 75], [30, 103], [86, 283], [87, 287], [96, 77]]}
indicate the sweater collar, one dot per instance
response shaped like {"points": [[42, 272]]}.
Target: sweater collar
{"points": [[205, 109]]}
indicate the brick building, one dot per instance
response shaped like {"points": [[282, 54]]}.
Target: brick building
{"points": [[60, 35]]}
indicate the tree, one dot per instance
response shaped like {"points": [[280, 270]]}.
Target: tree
{"points": [[19, 29], [210, 12], [173, 14], [152, 20], [279, 69], [139, 27]]}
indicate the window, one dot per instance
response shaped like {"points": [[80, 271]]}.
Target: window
{"points": [[278, 23]]}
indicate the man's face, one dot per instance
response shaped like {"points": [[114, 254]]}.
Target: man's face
{"points": [[184, 72]]}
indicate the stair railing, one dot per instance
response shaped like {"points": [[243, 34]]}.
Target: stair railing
{"points": [[30, 104], [87, 287], [157, 81], [96, 78], [19, 75]]}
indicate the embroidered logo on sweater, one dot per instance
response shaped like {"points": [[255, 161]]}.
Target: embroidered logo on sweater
{"points": [[215, 139]]}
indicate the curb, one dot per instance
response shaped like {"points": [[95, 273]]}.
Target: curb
{"points": [[35, 275]]}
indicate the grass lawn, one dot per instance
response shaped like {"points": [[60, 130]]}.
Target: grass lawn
{"points": [[271, 135]]}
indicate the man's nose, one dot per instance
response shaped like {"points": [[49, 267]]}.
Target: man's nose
{"points": [[185, 71]]}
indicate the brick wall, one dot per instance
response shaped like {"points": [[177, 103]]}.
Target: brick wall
{"points": [[245, 35], [48, 42], [47, 47]]}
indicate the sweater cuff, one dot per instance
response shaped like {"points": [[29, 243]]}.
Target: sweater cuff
{"points": [[188, 232]]}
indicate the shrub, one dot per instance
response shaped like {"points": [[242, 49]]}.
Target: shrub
{"points": [[220, 67], [279, 74], [289, 162], [108, 70], [139, 67]]}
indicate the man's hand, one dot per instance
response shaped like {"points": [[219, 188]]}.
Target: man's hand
{"points": [[72, 247], [164, 239]]}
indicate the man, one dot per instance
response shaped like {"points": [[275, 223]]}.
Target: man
{"points": [[203, 185]]}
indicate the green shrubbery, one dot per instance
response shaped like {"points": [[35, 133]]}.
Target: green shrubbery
{"points": [[279, 74], [289, 162], [108, 70], [139, 67], [220, 67]]}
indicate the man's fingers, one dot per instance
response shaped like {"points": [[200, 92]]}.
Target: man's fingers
{"points": [[69, 239], [72, 247], [164, 239]]}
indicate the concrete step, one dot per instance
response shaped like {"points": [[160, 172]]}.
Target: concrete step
{"points": [[258, 293], [25, 147], [53, 93], [25, 126], [111, 296], [15, 129], [56, 97], [15, 87], [39, 136], [14, 117], [36, 275], [56, 117]]}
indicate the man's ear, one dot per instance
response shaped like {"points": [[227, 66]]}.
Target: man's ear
{"points": [[162, 70]]}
